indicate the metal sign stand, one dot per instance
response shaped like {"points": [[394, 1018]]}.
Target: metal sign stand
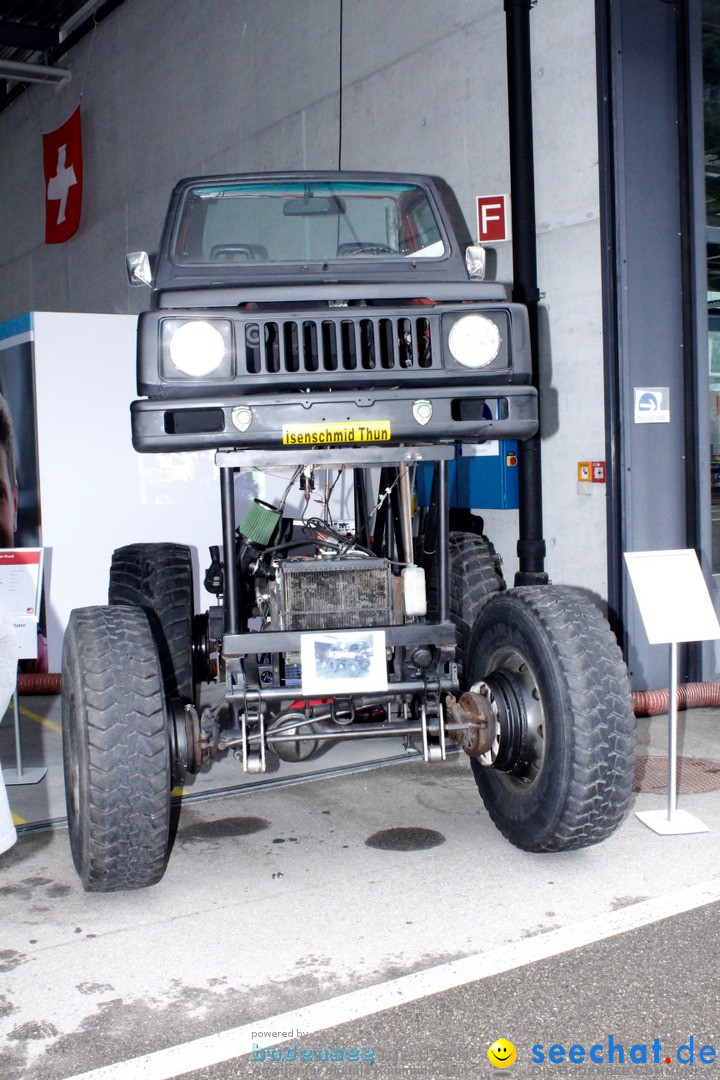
{"points": [[18, 775], [675, 606], [676, 821]]}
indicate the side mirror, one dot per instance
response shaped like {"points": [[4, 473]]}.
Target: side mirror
{"points": [[475, 261], [137, 264]]}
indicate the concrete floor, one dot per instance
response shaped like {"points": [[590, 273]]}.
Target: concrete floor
{"points": [[275, 899]]}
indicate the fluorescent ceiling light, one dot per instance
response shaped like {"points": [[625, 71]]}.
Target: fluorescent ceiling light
{"points": [[79, 17]]}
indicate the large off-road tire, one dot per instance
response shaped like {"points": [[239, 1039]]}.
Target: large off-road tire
{"points": [[116, 750], [159, 579], [475, 576], [565, 756]]}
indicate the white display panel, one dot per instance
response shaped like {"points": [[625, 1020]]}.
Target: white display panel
{"points": [[672, 595], [96, 492]]}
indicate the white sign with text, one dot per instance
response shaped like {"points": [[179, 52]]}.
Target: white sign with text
{"points": [[20, 592]]}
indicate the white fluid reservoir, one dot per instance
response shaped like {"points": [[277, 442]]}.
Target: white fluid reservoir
{"points": [[414, 593]]}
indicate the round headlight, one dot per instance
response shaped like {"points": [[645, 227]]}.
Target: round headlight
{"points": [[197, 348], [474, 341]]}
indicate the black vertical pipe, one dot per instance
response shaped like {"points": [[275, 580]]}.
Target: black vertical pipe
{"points": [[381, 517], [694, 290], [362, 534], [428, 551], [395, 508], [531, 545], [607, 47], [443, 542], [231, 598]]}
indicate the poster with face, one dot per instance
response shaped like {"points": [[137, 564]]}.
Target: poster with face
{"points": [[19, 474], [8, 478]]}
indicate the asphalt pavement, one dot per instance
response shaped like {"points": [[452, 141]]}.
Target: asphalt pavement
{"points": [[645, 1002]]}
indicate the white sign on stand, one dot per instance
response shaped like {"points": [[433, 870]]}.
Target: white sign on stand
{"points": [[675, 606], [21, 593]]}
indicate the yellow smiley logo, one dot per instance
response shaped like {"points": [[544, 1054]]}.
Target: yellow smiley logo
{"points": [[501, 1054]]}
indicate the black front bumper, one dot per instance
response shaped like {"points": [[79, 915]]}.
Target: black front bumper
{"points": [[389, 415]]}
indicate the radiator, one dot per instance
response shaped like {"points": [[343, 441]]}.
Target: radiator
{"points": [[334, 594]]}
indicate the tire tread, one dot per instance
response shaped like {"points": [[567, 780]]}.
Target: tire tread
{"points": [[475, 576], [113, 707], [603, 722], [159, 579]]}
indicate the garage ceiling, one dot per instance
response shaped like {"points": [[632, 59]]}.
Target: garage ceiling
{"points": [[36, 34]]}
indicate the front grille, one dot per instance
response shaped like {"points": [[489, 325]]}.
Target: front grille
{"points": [[341, 594], [341, 343]]}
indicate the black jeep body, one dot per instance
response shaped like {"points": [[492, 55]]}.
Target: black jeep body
{"points": [[326, 326], [337, 334]]}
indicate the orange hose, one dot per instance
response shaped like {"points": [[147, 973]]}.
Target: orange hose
{"points": [[689, 696], [50, 683]]}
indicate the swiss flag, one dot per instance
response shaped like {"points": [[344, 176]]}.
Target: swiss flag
{"points": [[62, 160]]}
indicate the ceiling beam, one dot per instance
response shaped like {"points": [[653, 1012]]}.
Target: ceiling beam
{"points": [[24, 36], [33, 73], [54, 53]]}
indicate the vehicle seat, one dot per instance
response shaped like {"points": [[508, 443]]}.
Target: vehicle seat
{"points": [[238, 252]]}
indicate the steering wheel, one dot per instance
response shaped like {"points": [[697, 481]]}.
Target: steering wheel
{"points": [[365, 249]]}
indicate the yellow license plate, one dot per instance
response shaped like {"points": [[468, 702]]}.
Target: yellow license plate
{"points": [[329, 434]]}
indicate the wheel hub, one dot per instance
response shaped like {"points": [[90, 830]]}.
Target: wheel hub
{"points": [[475, 713], [519, 745], [185, 740]]}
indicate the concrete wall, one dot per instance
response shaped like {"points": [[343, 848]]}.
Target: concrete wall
{"points": [[569, 273], [181, 87]]}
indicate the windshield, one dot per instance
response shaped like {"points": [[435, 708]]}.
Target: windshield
{"points": [[291, 221]]}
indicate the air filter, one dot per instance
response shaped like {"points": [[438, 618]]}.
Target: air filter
{"points": [[259, 523]]}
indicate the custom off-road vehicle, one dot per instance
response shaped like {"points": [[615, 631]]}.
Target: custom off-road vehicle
{"points": [[329, 328]]}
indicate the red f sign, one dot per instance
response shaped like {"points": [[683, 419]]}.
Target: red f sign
{"points": [[62, 159], [492, 218]]}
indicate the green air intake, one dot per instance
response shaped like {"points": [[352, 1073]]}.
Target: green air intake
{"points": [[259, 523]]}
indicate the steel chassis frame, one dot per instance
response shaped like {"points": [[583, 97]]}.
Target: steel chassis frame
{"points": [[246, 703]]}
